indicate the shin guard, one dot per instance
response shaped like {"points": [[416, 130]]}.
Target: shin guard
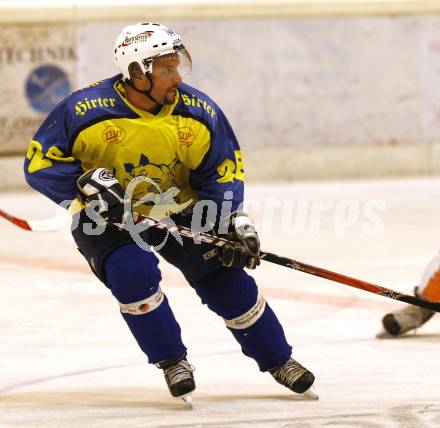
{"points": [[133, 276], [234, 296]]}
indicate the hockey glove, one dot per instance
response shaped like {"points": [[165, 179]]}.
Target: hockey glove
{"points": [[101, 187], [245, 250]]}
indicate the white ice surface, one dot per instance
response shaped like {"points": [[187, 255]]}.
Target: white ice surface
{"points": [[68, 360]]}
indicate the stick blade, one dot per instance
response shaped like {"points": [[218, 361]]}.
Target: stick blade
{"points": [[47, 225]]}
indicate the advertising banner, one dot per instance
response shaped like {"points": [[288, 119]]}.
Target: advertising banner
{"points": [[37, 70]]}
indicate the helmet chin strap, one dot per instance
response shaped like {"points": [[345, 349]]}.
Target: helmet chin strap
{"points": [[146, 93]]}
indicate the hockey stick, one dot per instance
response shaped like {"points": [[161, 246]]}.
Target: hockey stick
{"points": [[302, 267], [47, 225]]}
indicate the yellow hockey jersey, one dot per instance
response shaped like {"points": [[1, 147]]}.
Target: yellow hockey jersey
{"points": [[185, 153]]}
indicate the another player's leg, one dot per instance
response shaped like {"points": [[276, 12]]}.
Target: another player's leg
{"points": [[412, 317]]}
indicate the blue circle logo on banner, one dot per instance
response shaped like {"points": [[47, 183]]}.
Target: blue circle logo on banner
{"points": [[46, 86]]}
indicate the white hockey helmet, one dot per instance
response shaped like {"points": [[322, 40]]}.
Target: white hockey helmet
{"points": [[143, 43]]}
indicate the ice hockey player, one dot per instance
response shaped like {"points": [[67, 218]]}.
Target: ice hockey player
{"points": [[146, 123], [412, 317]]}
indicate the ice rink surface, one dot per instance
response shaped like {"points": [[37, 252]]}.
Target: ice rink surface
{"points": [[68, 360]]}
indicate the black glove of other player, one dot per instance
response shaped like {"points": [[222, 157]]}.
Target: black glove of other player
{"points": [[101, 187], [245, 250]]}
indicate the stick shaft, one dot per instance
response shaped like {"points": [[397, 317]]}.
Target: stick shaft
{"points": [[23, 224], [185, 232], [310, 269], [348, 280]]}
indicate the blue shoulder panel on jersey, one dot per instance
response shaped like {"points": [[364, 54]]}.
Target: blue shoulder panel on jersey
{"points": [[209, 179], [95, 104], [57, 178], [197, 105]]}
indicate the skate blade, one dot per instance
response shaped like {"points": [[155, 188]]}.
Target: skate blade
{"points": [[187, 398], [383, 334], [311, 393]]}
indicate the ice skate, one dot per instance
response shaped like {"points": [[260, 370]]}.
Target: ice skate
{"points": [[295, 377], [406, 319], [179, 377], [403, 320]]}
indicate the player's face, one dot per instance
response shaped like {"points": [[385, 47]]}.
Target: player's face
{"points": [[166, 78]]}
